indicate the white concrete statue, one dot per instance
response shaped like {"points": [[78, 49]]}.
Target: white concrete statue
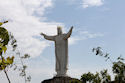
{"points": [[61, 50]]}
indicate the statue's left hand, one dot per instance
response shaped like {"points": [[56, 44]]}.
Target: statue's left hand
{"points": [[71, 27]]}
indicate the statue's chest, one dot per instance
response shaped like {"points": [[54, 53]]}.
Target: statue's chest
{"points": [[60, 39]]}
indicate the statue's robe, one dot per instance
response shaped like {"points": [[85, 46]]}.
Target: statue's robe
{"points": [[61, 52]]}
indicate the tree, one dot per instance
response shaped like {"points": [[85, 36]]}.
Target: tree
{"points": [[118, 68], [4, 39], [102, 77], [8, 62]]}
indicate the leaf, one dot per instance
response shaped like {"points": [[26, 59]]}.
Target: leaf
{"points": [[5, 22], [1, 45], [25, 56], [2, 67], [10, 60], [1, 23], [4, 36], [106, 55], [4, 48], [0, 62]]}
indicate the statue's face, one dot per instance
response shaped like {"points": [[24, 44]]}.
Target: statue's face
{"points": [[59, 30]]}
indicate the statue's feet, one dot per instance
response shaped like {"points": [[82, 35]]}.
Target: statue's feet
{"points": [[61, 75]]}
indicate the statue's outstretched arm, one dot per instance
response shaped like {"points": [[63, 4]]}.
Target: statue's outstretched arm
{"points": [[52, 38], [69, 33]]}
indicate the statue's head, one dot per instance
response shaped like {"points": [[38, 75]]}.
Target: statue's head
{"points": [[59, 30]]}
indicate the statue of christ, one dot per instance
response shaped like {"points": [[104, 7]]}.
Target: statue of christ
{"points": [[61, 50]]}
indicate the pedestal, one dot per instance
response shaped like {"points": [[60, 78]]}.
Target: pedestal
{"points": [[60, 80]]}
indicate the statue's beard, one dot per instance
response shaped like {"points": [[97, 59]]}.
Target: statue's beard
{"points": [[59, 32]]}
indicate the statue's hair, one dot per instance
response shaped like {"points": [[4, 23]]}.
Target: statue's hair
{"points": [[59, 27]]}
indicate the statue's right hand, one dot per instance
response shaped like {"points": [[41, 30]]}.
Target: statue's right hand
{"points": [[42, 34]]}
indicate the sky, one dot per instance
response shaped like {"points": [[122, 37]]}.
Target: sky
{"points": [[96, 23]]}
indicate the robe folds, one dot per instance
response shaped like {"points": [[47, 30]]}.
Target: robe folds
{"points": [[61, 52]]}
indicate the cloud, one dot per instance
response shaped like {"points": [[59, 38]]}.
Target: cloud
{"points": [[25, 24], [87, 34], [83, 35], [73, 40], [90, 3]]}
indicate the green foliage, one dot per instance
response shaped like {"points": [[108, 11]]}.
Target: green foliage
{"points": [[4, 39], [119, 69], [118, 66], [4, 48], [102, 77], [75, 81], [4, 36], [87, 77], [25, 56], [24, 67], [106, 78], [7, 62], [1, 23], [98, 51]]}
